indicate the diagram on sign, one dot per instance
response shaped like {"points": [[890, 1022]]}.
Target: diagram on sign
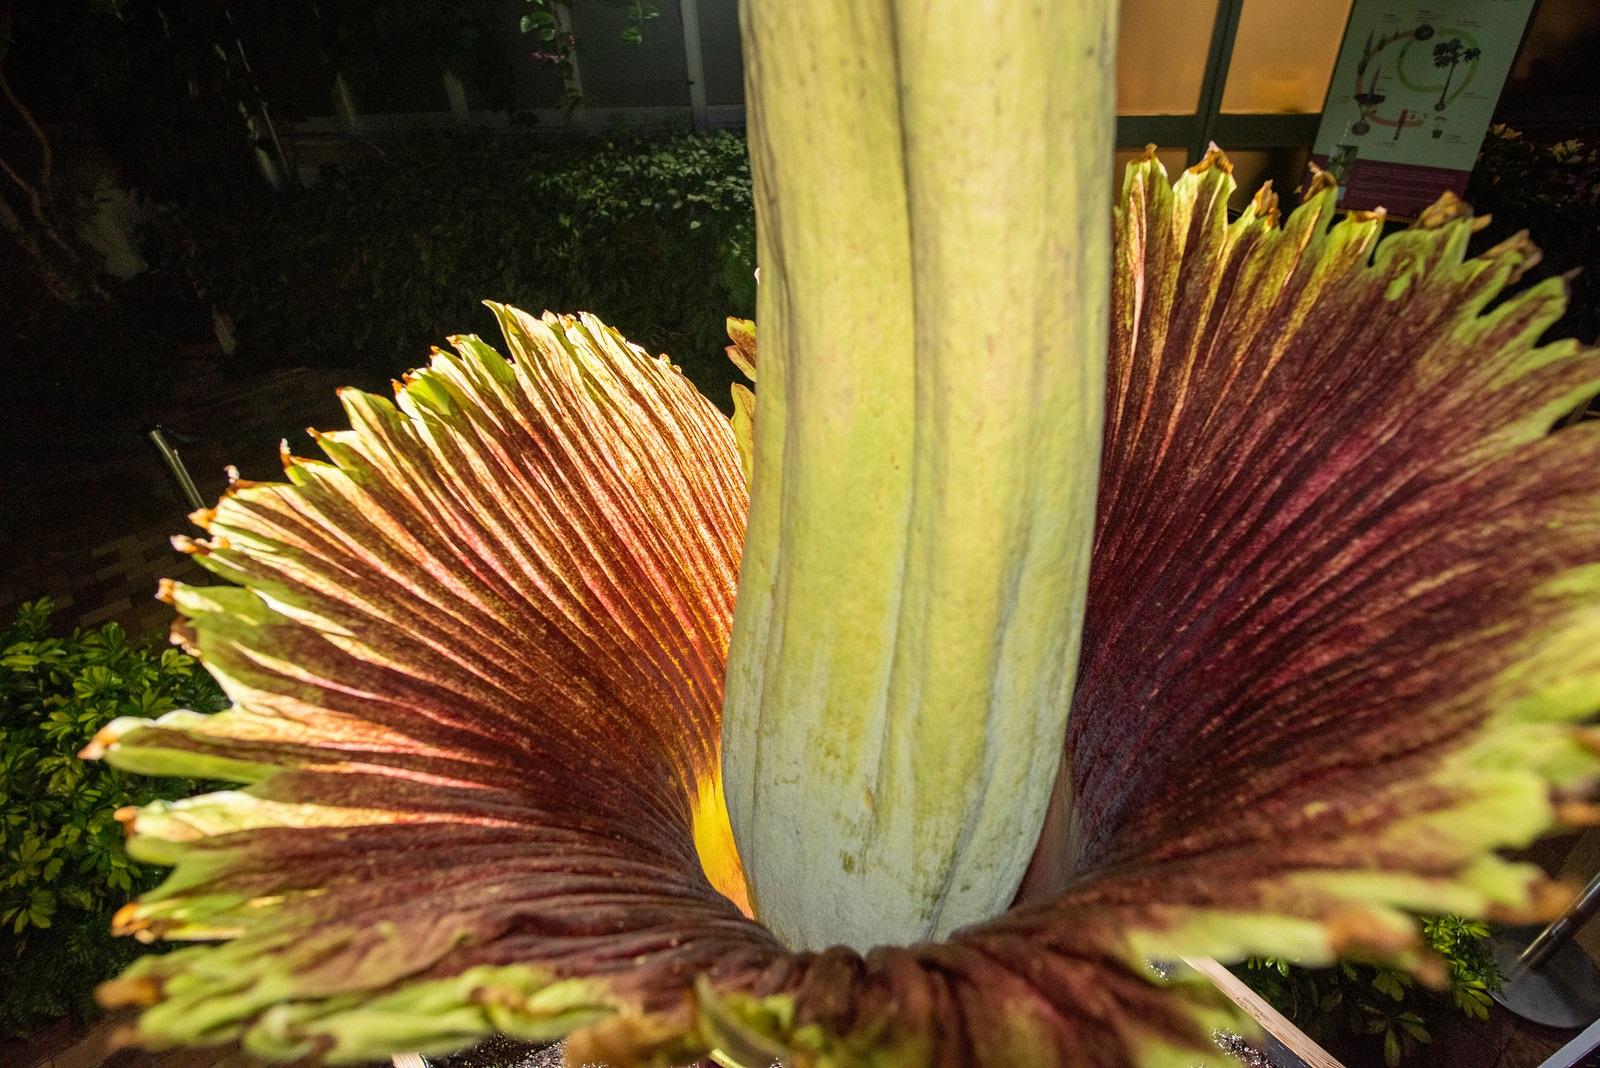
{"points": [[1428, 64], [1413, 90]]}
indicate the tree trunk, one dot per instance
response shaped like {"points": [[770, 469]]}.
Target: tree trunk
{"points": [[1448, 75]]}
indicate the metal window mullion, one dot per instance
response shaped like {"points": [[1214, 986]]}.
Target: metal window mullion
{"points": [[1246, 132], [1223, 33], [1163, 131]]}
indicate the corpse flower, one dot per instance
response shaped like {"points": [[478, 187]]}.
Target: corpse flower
{"points": [[947, 781]]}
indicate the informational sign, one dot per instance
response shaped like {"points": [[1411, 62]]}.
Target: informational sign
{"points": [[1413, 91]]}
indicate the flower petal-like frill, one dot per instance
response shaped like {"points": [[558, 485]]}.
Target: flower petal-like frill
{"points": [[1343, 628], [1344, 613], [476, 665]]}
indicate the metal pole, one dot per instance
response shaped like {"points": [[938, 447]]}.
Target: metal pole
{"points": [[694, 60], [175, 467], [1575, 1054], [1542, 948], [1549, 979], [1223, 31], [260, 101]]}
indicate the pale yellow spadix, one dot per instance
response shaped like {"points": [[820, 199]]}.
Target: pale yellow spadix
{"points": [[934, 238]]}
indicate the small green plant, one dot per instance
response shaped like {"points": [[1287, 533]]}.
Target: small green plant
{"points": [[63, 869], [1381, 1006]]}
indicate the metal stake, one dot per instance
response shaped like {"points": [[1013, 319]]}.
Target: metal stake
{"points": [[1549, 979], [175, 467]]}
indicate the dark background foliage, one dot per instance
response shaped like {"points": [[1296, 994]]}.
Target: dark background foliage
{"points": [[375, 263], [1553, 192], [377, 257], [379, 262]]}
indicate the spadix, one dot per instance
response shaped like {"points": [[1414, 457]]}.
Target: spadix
{"points": [[1342, 621], [931, 185]]}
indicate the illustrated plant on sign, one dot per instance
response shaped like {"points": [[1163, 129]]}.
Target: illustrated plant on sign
{"points": [[1448, 55], [1104, 595]]}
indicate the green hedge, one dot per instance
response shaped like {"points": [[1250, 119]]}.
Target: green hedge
{"points": [[63, 869], [379, 262]]}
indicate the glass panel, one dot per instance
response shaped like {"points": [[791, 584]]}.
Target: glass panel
{"points": [[1285, 168], [1283, 55], [394, 63], [1161, 55], [1558, 53], [494, 46]]}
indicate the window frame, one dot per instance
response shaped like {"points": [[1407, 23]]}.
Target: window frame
{"points": [[1208, 123]]}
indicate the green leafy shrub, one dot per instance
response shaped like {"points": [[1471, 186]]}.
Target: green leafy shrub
{"points": [[63, 870], [1354, 1005], [1553, 192], [371, 264]]}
